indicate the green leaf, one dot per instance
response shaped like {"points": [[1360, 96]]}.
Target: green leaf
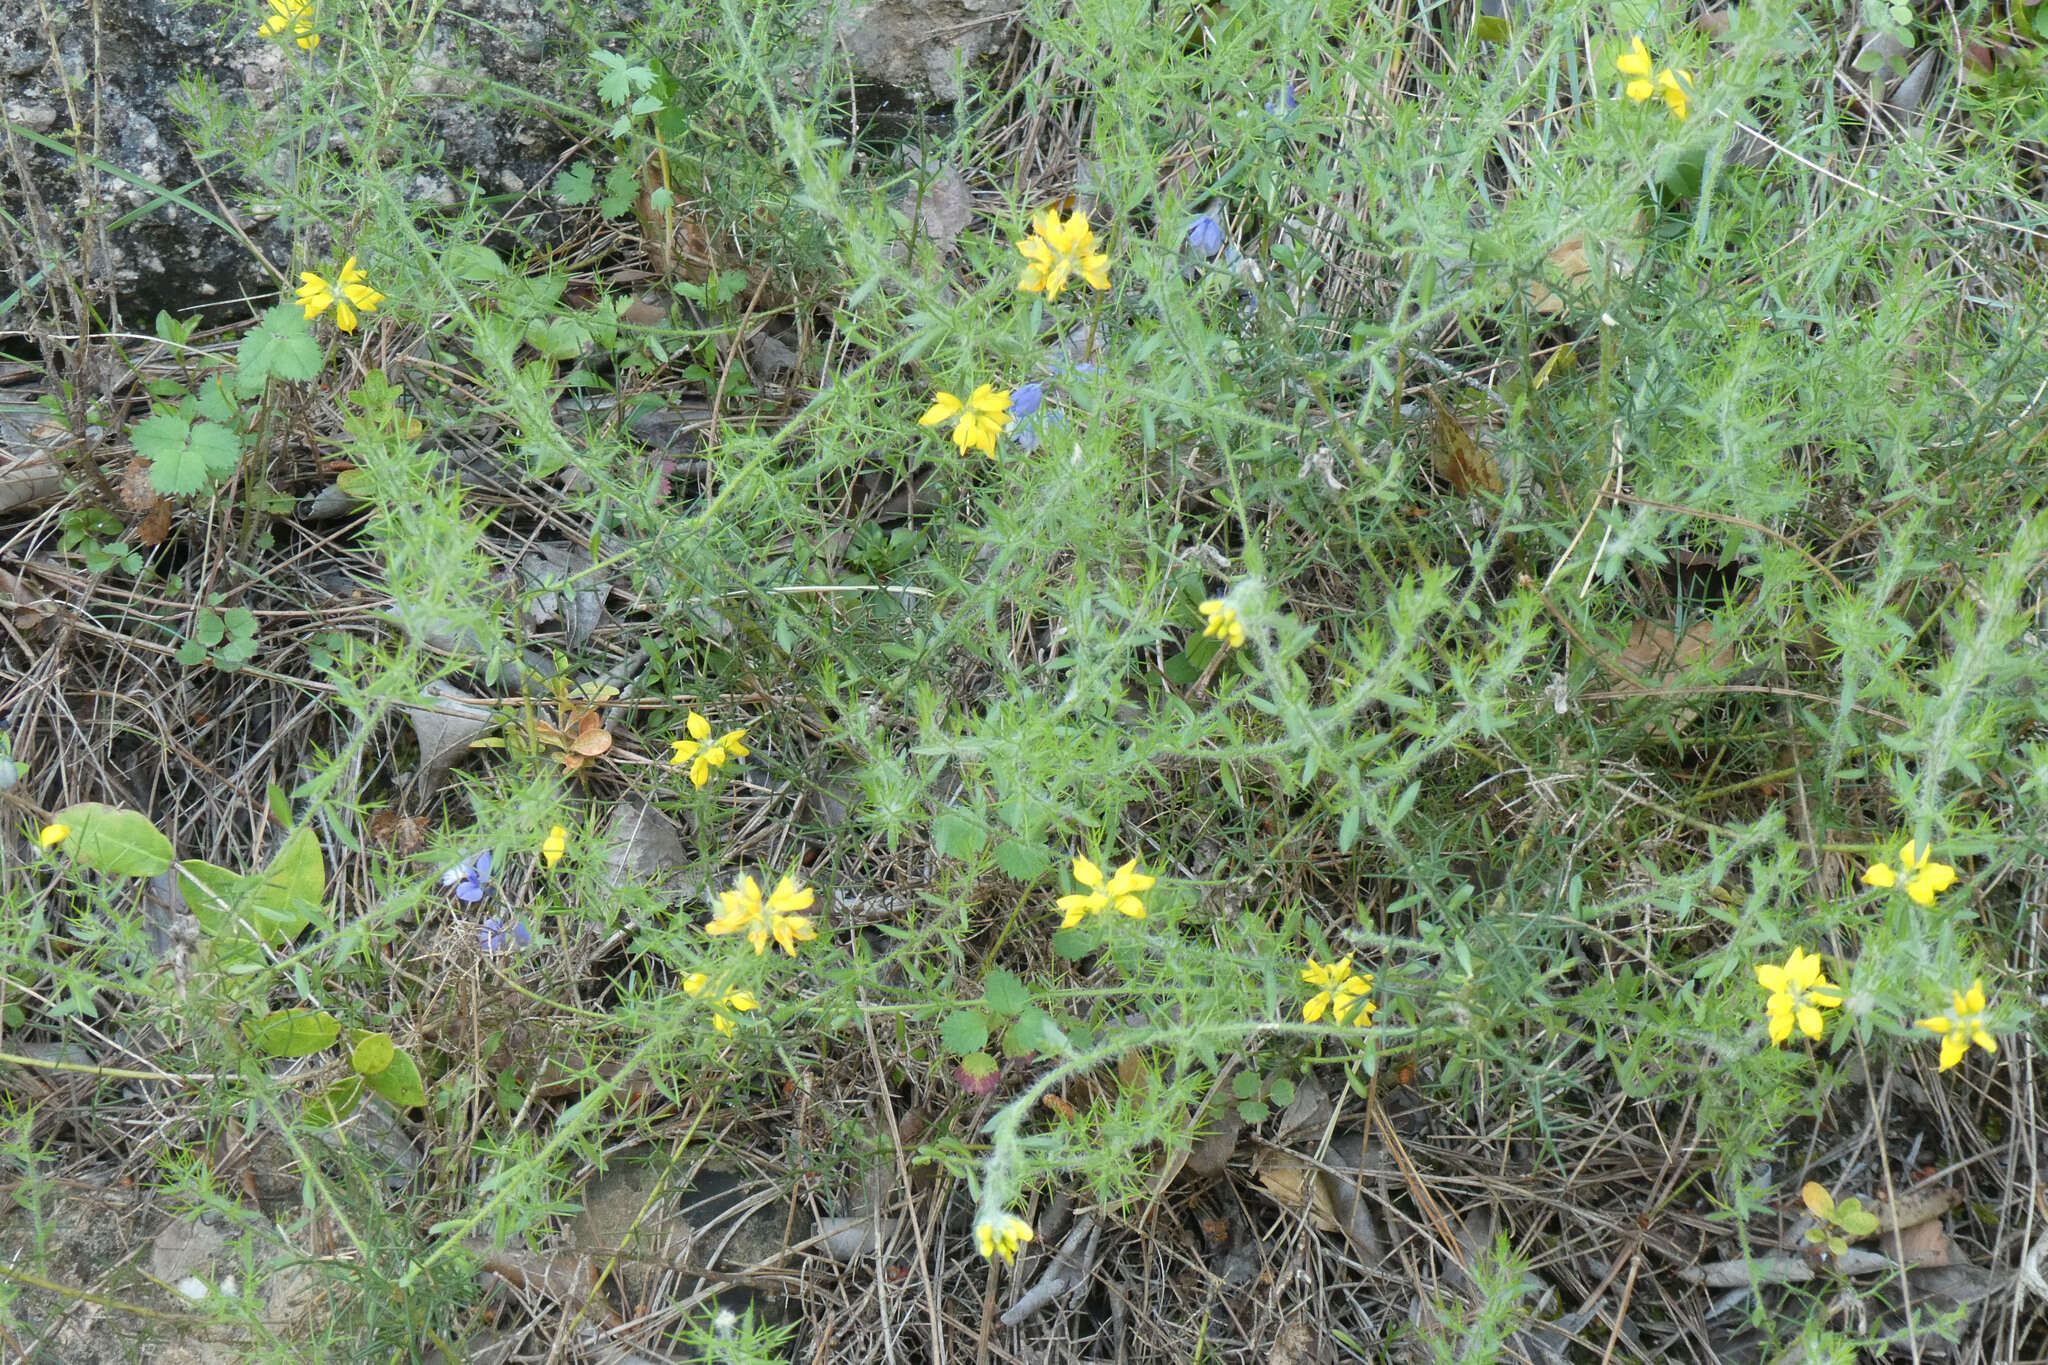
{"points": [[963, 1031], [213, 894], [279, 347], [1280, 1090], [109, 839], [980, 1065], [474, 261], [1854, 1219], [1244, 1085], [558, 338], [372, 1054], [294, 884], [1022, 859], [1027, 1035], [184, 456], [577, 185], [1076, 943], [1004, 992], [293, 1033], [400, 1082], [958, 836], [336, 1102], [1254, 1111]]}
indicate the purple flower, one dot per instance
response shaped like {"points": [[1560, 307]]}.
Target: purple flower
{"points": [[470, 878], [1024, 400], [1205, 235], [498, 935], [1284, 103]]}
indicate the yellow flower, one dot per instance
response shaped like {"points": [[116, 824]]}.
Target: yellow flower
{"points": [[1924, 879], [701, 753], [737, 1001], [293, 15], [1058, 249], [1221, 621], [1341, 994], [1799, 992], [344, 296], [976, 422], [1646, 81], [1119, 891], [1676, 88], [1001, 1234], [1635, 63], [742, 909], [554, 846], [53, 835], [1961, 1026]]}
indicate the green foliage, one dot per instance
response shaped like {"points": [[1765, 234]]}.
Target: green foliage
{"points": [[1633, 536], [95, 535], [185, 455], [226, 638], [107, 839]]}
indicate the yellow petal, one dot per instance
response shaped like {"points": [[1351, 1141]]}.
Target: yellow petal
{"points": [[1880, 874], [1087, 873], [946, 405], [698, 727], [1636, 61]]}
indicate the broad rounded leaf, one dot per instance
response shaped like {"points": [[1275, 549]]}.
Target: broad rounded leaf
{"points": [[963, 1031], [400, 1082], [294, 1033], [372, 1054], [109, 839]]}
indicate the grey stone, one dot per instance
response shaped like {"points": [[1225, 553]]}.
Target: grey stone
{"points": [[123, 77]]}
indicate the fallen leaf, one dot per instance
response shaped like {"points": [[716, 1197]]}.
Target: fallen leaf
{"points": [[1924, 1244], [1569, 266], [567, 1279], [136, 493], [444, 731], [155, 528], [1299, 1343], [944, 208], [403, 835], [1656, 654], [642, 846], [1458, 458]]}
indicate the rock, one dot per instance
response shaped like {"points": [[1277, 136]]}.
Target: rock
{"points": [[125, 74], [920, 46]]}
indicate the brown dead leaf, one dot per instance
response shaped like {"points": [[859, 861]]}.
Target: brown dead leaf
{"points": [[1299, 1343], [569, 1280], [1913, 1207], [404, 835], [1656, 654], [1924, 1244], [22, 602], [155, 528], [1569, 266], [1458, 458], [944, 208], [137, 493]]}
